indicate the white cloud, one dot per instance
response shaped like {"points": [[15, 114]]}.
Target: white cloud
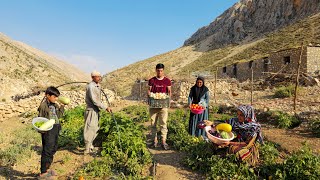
{"points": [[86, 63]]}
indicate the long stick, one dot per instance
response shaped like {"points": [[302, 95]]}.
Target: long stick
{"points": [[215, 86], [251, 85], [297, 81], [114, 119]]}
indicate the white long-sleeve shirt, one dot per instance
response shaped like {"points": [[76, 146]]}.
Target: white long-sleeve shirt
{"points": [[93, 97]]}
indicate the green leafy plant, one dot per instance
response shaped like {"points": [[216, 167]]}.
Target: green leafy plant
{"points": [[315, 127], [72, 123], [284, 91], [125, 157], [285, 120]]}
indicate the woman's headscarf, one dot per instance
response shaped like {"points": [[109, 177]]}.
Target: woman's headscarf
{"points": [[248, 112], [249, 128], [198, 92]]}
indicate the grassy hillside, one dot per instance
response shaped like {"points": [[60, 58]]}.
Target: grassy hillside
{"points": [[182, 62]]}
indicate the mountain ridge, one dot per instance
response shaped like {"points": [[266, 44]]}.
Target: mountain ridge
{"points": [[248, 20], [24, 68]]}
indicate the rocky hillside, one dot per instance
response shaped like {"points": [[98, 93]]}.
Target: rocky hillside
{"points": [[24, 68], [248, 20], [187, 61]]}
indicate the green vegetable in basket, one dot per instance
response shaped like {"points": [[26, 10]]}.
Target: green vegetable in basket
{"points": [[224, 135], [39, 123], [47, 124]]}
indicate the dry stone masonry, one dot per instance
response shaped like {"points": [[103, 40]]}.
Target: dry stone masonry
{"points": [[284, 62]]}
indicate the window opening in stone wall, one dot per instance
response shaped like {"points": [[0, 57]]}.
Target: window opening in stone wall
{"points": [[235, 70], [266, 63], [250, 64], [224, 70], [286, 60]]}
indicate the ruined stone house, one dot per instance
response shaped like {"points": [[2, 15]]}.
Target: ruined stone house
{"points": [[285, 61]]}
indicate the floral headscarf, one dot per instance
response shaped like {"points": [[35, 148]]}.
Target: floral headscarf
{"points": [[249, 128]]}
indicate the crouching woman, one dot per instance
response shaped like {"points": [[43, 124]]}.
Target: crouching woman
{"points": [[248, 134]]}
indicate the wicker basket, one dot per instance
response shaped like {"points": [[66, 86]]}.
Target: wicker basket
{"points": [[159, 103]]}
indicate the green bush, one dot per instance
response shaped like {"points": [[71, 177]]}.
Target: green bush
{"points": [[121, 158], [284, 91], [302, 165], [72, 123], [285, 120], [315, 127]]}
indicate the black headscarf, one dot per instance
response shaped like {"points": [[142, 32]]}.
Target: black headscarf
{"points": [[198, 92]]}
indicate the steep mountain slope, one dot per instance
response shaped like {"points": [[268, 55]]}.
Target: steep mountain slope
{"points": [[248, 20], [23, 68], [185, 61], [304, 31]]}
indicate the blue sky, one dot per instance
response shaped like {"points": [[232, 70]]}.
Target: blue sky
{"points": [[106, 34]]}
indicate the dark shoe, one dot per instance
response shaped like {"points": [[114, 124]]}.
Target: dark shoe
{"points": [[165, 146]]}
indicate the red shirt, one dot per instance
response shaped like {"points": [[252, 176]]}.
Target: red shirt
{"points": [[159, 86]]}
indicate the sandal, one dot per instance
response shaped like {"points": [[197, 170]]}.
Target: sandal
{"points": [[46, 175], [155, 145], [165, 146], [53, 172]]}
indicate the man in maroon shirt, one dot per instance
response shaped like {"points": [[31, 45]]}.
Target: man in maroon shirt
{"points": [[159, 84]]}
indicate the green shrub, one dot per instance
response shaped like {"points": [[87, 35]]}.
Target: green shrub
{"points": [[302, 165], [284, 91], [285, 120], [72, 123], [269, 153], [315, 127], [123, 158]]}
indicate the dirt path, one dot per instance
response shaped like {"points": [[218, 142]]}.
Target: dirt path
{"points": [[168, 163]]}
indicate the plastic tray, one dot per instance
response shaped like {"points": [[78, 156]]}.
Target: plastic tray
{"points": [[215, 139], [38, 119]]}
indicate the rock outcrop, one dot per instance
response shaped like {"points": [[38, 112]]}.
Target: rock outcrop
{"points": [[248, 20]]}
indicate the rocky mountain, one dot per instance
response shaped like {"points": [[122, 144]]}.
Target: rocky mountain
{"points": [[24, 68], [184, 62], [248, 20]]}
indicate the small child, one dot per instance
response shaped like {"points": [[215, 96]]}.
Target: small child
{"points": [[50, 110]]}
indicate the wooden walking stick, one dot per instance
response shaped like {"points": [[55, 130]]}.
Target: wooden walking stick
{"points": [[297, 81]]}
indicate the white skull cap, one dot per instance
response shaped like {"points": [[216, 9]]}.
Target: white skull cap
{"points": [[95, 73]]}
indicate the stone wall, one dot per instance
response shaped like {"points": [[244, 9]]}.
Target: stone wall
{"points": [[313, 64], [30, 105], [285, 61], [181, 90], [278, 61]]}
